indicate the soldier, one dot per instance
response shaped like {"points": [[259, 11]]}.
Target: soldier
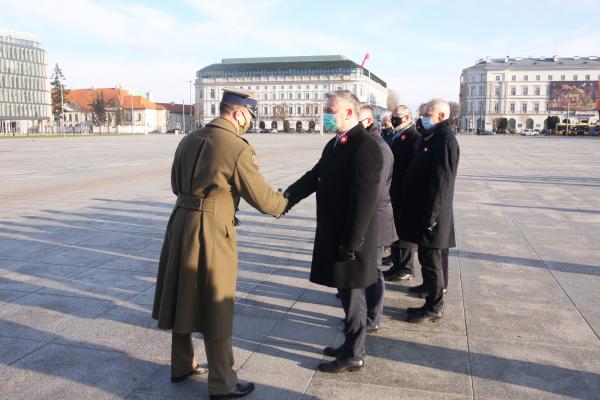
{"points": [[345, 180], [213, 168]]}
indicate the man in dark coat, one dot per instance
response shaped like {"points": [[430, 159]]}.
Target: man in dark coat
{"points": [[345, 180], [386, 231], [404, 145], [213, 168], [426, 215]]}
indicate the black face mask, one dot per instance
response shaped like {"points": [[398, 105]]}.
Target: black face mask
{"points": [[396, 121]]}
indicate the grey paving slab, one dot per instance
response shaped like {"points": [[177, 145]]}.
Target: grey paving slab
{"points": [[74, 255], [63, 372], [504, 370], [31, 276], [20, 249], [12, 349]]}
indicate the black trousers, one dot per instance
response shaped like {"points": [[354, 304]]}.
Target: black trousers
{"points": [[374, 296], [403, 259], [355, 323], [433, 277]]}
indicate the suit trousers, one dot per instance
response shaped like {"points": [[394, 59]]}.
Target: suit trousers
{"points": [[433, 277], [403, 259], [219, 354], [355, 323]]}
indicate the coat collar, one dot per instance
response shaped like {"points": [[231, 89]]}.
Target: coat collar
{"points": [[223, 123], [439, 128]]}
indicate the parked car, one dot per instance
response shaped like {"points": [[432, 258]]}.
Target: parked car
{"points": [[530, 132], [487, 133], [253, 130], [273, 130]]}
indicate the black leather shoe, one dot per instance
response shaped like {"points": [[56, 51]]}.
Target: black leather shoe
{"points": [[414, 310], [240, 390], [333, 351], [425, 316], [399, 276], [339, 365], [417, 289], [387, 261], [196, 371], [373, 328]]}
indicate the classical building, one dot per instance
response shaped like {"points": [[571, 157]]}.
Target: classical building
{"points": [[527, 90], [179, 116], [24, 85], [112, 110], [291, 89]]}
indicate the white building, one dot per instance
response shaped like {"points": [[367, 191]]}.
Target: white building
{"points": [[526, 91], [179, 116], [25, 105], [291, 89]]}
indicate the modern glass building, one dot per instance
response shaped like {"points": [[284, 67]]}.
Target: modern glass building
{"points": [[291, 89], [25, 105]]}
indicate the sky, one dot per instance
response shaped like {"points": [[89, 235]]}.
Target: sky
{"points": [[418, 47]]}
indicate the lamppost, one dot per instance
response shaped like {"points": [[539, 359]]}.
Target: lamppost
{"points": [[190, 105], [62, 108]]}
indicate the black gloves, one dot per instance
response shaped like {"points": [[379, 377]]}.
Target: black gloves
{"points": [[346, 254]]}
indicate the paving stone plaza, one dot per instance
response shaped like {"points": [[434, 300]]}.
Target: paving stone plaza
{"points": [[81, 226]]}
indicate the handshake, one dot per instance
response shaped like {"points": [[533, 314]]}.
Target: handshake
{"points": [[289, 204]]}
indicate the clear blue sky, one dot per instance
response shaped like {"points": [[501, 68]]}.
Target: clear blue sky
{"points": [[418, 47]]}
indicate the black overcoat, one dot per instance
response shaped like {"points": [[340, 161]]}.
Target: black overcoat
{"points": [[386, 230], [345, 180], [428, 190], [403, 148]]}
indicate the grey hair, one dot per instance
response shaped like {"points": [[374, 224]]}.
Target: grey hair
{"points": [[405, 110], [384, 116], [439, 105], [345, 95], [369, 108]]}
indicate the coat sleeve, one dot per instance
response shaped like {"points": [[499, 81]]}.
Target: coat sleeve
{"points": [[368, 162], [175, 184], [253, 188], [443, 175]]}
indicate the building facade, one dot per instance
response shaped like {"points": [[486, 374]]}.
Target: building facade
{"points": [[291, 89], [25, 105], [526, 91], [112, 110], [179, 117]]}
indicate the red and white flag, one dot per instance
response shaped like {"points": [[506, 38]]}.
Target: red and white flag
{"points": [[367, 56]]}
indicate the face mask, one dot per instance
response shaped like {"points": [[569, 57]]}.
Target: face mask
{"points": [[426, 122], [396, 121], [367, 128], [243, 128], [329, 123]]}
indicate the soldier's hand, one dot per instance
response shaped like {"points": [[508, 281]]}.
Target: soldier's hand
{"points": [[236, 221], [346, 254]]}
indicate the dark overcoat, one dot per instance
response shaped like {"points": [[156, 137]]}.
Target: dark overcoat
{"points": [[404, 147], [197, 272], [386, 230], [428, 190], [345, 180]]}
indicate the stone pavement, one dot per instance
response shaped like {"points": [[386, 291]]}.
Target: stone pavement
{"points": [[81, 225]]}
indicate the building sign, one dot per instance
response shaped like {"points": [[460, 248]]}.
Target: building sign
{"points": [[574, 96]]}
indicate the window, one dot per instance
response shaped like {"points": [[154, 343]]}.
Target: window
{"points": [[282, 87], [513, 78], [281, 96], [574, 77], [212, 109], [537, 91], [307, 96], [549, 77], [298, 96], [525, 91], [562, 77], [526, 78], [290, 110], [536, 108], [512, 107], [299, 110], [265, 110], [497, 77], [524, 107], [497, 107], [212, 93], [538, 77], [299, 86], [497, 91], [471, 91], [274, 96], [316, 96], [139, 117], [513, 90], [587, 77], [290, 96]]}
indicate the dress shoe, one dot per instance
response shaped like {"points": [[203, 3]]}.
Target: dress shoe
{"points": [[333, 351], [400, 276], [196, 371], [341, 365], [425, 316], [373, 328], [239, 390], [387, 261]]}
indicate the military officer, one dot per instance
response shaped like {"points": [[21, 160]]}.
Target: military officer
{"points": [[213, 168]]}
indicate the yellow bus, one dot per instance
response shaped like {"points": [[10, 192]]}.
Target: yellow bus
{"points": [[577, 130]]}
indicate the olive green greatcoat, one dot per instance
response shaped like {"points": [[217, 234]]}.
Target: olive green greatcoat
{"points": [[197, 273]]}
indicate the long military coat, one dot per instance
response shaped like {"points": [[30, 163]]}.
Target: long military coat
{"points": [[386, 230], [345, 180], [404, 147], [197, 273], [428, 191]]}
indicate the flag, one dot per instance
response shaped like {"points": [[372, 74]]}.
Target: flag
{"points": [[367, 56]]}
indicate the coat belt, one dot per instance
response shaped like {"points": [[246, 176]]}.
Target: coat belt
{"points": [[194, 203]]}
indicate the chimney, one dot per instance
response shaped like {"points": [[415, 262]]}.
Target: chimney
{"points": [[555, 58], [506, 59]]}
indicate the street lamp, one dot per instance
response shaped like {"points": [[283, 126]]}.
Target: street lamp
{"points": [[190, 105]]}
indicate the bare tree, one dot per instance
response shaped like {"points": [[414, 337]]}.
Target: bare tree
{"points": [[393, 99], [454, 113], [99, 114]]}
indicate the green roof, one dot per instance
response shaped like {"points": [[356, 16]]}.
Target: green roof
{"points": [[302, 65]]}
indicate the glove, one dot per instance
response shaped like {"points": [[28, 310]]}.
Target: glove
{"points": [[236, 221], [346, 254]]}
